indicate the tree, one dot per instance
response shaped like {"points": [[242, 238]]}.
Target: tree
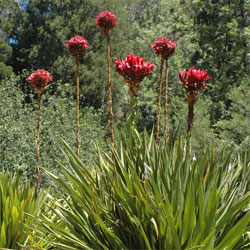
{"points": [[222, 35], [209, 34], [5, 54], [45, 26], [7, 15], [235, 129]]}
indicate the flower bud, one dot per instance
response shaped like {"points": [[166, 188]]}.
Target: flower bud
{"points": [[40, 79]]}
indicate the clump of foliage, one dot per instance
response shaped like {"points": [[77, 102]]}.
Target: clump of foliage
{"points": [[235, 126], [16, 202], [153, 197]]}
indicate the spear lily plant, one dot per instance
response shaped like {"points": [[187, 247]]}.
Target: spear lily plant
{"points": [[193, 81], [151, 196], [77, 46], [164, 48], [107, 20], [39, 79]]}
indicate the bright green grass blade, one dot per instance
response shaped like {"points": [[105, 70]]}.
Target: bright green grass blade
{"points": [[108, 232], [2, 235], [189, 220], [241, 204], [234, 234]]}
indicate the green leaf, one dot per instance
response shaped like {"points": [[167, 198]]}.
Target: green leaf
{"points": [[233, 236], [2, 235], [189, 220]]}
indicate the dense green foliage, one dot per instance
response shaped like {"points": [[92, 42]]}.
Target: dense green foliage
{"points": [[19, 121], [236, 127], [16, 202], [209, 34], [151, 197], [8, 11]]}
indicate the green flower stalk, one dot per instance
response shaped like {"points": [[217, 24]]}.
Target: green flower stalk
{"points": [[39, 79], [38, 143], [159, 102], [133, 89], [165, 48], [166, 101], [77, 46], [77, 106], [191, 102], [106, 20]]}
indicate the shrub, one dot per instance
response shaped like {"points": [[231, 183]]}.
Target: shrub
{"points": [[16, 201], [150, 197]]}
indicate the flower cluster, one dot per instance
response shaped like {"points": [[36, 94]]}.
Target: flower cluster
{"points": [[106, 20], [194, 80], [40, 79], [134, 69], [164, 47], [77, 45]]}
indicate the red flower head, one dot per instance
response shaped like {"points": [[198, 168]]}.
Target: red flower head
{"points": [[134, 69], [194, 80], [40, 79], [106, 20], [77, 45], [164, 47]]}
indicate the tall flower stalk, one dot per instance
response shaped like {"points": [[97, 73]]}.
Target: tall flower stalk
{"points": [[193, 81], [133, 69], [106, 20], [38, 143], [159, 102], [164, 48], [39, 79], [77, 46], [77, 59]]}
